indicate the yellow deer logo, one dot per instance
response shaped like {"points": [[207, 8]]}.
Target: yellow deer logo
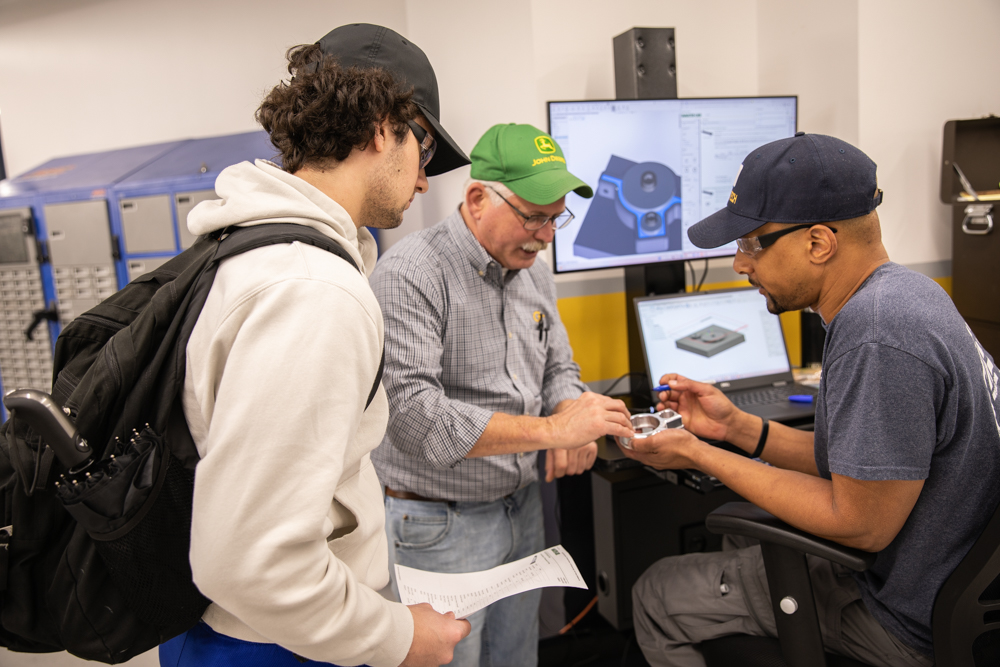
{"points": [[545, 145]]}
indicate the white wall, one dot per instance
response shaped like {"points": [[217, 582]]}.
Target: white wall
{"points": [[502, 66], [921, 62], [810, 48], [90, 75]]}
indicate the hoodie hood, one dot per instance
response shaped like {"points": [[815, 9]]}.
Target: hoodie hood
{"points": [[260, 193]]}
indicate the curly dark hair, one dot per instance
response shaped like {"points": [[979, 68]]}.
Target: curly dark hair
{"points": [[326, 111]]}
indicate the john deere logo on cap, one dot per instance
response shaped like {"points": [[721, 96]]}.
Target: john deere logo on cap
{"points": [[546, 147], [545, 144]]}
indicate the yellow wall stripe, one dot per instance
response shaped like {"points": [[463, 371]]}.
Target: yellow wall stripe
{"points": [[597, 333]]}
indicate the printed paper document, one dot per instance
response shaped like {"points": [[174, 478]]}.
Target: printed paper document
{"points": [[469, 592]]}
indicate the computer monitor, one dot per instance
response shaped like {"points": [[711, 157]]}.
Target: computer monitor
{"points": [[657, 167], [724, 337]]}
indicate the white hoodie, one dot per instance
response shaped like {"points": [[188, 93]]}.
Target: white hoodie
{"points": [[287, 537]]}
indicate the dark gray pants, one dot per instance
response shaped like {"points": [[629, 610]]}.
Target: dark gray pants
{"points": [[684, 600]]}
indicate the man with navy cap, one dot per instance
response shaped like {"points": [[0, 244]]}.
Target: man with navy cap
{"points": [[480, 376], [906, 448], [281, 392]]}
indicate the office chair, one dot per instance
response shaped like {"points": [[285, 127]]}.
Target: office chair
{"points": [[965, 620]]}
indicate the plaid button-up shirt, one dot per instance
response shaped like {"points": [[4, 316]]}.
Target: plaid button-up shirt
{"points": [[463, 341]]}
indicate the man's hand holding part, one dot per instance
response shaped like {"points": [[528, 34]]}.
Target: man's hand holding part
{"points": [[586, 419], [574, 425], [668, 449]]}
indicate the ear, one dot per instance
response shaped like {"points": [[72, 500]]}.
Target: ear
{"points": [[822, 244], [381, 138], [475, 200]]}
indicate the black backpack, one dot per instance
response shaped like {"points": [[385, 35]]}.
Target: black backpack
{"points": [[96, 562]]}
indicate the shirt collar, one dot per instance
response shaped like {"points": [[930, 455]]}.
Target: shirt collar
{"points": [[470, 247]]}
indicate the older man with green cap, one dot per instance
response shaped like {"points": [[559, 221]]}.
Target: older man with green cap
{"points": [[480, 376]]}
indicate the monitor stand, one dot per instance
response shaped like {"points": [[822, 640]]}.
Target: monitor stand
{"points": [[645, 68], [646, 280]]}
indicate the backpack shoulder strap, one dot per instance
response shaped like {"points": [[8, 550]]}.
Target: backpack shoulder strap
{"points": [[378, 379], [242, 239]]}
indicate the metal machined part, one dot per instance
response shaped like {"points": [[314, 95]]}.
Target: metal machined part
{"points": [[646, 425]]}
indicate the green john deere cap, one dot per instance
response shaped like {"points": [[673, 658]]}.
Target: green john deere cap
{"points": [[526, 160]]}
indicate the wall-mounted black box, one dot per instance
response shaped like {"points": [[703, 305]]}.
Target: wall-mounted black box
{"points": [[645, 64]]}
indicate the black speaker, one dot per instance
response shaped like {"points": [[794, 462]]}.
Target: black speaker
{"points": [[645, 64]]}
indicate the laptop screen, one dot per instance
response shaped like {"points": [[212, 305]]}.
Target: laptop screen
{"points": [[715, 337]]}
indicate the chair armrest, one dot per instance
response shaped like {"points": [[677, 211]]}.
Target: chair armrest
{"points": [[751, 521]]}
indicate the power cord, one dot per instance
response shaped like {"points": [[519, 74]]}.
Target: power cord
{"points": [[579, 617], [607, 392], [695, 283]]}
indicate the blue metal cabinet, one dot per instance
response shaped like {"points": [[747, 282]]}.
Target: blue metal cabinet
{"points": [[76, 229]]}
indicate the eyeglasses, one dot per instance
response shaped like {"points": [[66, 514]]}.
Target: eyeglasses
{"points": [[427, 143], [753, 245], [537, 221]]}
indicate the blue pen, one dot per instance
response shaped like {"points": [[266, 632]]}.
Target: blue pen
{"points": [[801, 398], [662, 387]]}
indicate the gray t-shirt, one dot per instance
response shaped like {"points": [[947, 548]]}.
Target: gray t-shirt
{"points": [[908, 393]]}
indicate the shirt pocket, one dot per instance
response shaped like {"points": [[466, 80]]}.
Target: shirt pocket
{"points": [[530, 336]]}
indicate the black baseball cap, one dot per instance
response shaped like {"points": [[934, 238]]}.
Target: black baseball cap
{"points": [[805, 179], [366, 45]]}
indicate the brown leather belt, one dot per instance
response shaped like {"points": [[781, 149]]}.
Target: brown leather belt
{"points": [[408, 495]]}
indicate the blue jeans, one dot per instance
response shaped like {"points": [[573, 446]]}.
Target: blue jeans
{"points": [[469, 537], [202, 646]]}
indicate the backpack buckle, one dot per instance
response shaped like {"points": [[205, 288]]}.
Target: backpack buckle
{"points": [[6, 533]]}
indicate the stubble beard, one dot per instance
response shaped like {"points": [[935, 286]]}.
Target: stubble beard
{"points": [[774, 306], [378, 210]]}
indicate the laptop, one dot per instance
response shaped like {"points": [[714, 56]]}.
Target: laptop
{"points": [[727, 338]]}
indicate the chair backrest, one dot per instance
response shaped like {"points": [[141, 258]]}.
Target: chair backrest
{"points": [[968, 605]]}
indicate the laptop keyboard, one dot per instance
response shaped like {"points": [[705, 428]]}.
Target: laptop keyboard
{"points": [[766, 395]]}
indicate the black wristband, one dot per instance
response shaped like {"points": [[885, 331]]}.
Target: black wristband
{"points": [[763, 440]]}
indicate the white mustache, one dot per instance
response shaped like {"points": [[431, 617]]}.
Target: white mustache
{"points": [[534, 246]]}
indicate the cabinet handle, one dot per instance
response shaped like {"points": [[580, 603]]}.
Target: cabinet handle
{"points": [[981, 214]]}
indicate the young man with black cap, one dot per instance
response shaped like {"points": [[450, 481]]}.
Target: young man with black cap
{"points": [[475, 355], [287, 535], [906, 448]]}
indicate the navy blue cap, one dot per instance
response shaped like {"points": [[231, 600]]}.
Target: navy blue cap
{"points": [[808, 178], [366, 45]]}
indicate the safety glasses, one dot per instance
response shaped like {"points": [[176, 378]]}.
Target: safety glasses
{"points": [[427, 143], [753, 245]]}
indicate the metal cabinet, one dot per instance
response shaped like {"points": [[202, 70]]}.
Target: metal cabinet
{"points": [[971, 152], [24, 361], [76, 229]]}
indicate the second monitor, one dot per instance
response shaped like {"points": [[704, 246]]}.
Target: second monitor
{"points": [[657, 167]]}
